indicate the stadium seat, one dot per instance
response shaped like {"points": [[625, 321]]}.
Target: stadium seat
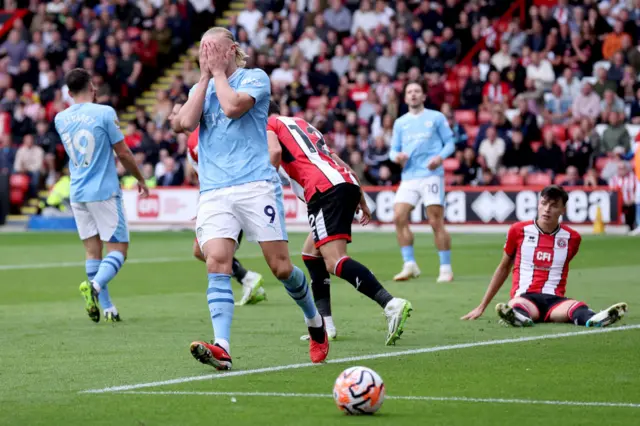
{"points": [[463, 71], [559, 131], [535, 146], [451, 86], [19, 182], [541, 179], [600, 163], [16, 197], [484, 117], [466, 117], [451, 164], [559, 179], [511, 179]]}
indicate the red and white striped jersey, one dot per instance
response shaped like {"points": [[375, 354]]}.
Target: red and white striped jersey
{"points": [[541, 261], [306, 157], [192, 148], [627, 186]]}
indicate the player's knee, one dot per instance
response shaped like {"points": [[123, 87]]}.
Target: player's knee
{"points": [[400, 219], [218, 265], [282, 269]]}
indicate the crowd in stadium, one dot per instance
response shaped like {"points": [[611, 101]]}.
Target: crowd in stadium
{"points": [[554, 97]]}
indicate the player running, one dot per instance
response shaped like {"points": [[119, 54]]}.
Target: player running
{"points": [[239, 188], [90, 134], [540, 252], [421, 140], [333, 195], [252, 290]]}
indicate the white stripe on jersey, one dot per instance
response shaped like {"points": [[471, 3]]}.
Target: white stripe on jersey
{"points": [[332, 174], [527, 251], [557, 266], [627, 186]]}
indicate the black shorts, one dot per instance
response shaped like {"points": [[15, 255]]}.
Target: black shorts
{"points": [[331, 213], [545, 303]]}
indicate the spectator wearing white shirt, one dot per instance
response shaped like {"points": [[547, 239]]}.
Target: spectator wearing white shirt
{"points": [[310, 44], [283, 75], [384, 13], [586, 104], [569, 83], [364, 18], [502, 58], [540, 71], [249, 18], [492, 148]]}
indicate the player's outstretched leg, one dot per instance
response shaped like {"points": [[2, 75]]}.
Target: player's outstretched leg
{"points": [[515, 314], [321, 289], [276, 253], [401, 212], [607, 317], [396, 310], [219, 254]]}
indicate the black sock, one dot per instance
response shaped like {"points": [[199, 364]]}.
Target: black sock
{"points": [[363, 280], [238, 271], [581, 315], [320, 281]]}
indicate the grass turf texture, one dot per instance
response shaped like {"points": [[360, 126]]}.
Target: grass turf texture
{"points": [[50, 350]]}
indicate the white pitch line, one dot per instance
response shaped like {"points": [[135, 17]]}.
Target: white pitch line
{"points": [[402, 398], [359, 358]]}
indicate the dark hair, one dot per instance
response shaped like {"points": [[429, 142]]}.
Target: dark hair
{"points": [[274, 108], [77, 80], [419, 83], [554, 192]]}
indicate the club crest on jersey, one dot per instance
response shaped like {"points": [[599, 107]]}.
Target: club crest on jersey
{"points": [[561, 242]]}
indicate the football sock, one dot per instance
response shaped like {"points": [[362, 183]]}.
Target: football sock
{"points": [[407, 254], [445, 257], [320, 283], [362, 279], [108, 269], [296, 286], [220, 299], [238, 270], [581, 314], [91, 267]]}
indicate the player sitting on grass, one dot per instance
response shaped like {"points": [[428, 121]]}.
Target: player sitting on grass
{"points": [[90, 134], [333, 195], [539, 252], [252, 290]]}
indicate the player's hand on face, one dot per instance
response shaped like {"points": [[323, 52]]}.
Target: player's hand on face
{"points": [[218, 57], [143, 190], [434, 163], [203, 58], [475, 314]]}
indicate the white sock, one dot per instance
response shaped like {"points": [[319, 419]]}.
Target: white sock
{"points": [[314, 322], [446, 269], [328, 322], [96, 286], [223, 344]]}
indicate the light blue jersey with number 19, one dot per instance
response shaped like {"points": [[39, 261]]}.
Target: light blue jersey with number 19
{"points": [[88, 132]]}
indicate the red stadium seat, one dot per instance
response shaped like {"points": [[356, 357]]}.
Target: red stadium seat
{"points": [[465, 117], [463, 71], [559, 132], [511, 179], [541, 179], [451, 86], [535, 146], [451, 164], [559, 179], [16, 197], [484, 117], [19, 182], [472, 132], [600, 163]]}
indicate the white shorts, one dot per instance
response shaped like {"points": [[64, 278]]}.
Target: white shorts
{"points": [[104, 218], [429, 189], [257, 208]]}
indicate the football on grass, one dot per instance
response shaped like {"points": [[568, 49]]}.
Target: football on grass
{"points": [[359, 390]]}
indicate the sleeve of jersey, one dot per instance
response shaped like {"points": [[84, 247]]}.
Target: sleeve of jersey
{"points": [[444, 130], [272, 123], [574, 245], [112, 125], [256, 84], [396, 142], [511, 245]]}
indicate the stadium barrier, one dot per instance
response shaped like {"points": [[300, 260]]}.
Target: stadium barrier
{"points": [[168, 208]]}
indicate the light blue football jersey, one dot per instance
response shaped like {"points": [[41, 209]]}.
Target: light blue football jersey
{"points": [[233, 152], [88, 132], [422, 137]]}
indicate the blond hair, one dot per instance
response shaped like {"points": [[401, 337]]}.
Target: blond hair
{"points": [[241, 56]]}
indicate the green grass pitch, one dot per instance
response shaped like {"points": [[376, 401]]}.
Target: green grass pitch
{"points": [[50, 351]]}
